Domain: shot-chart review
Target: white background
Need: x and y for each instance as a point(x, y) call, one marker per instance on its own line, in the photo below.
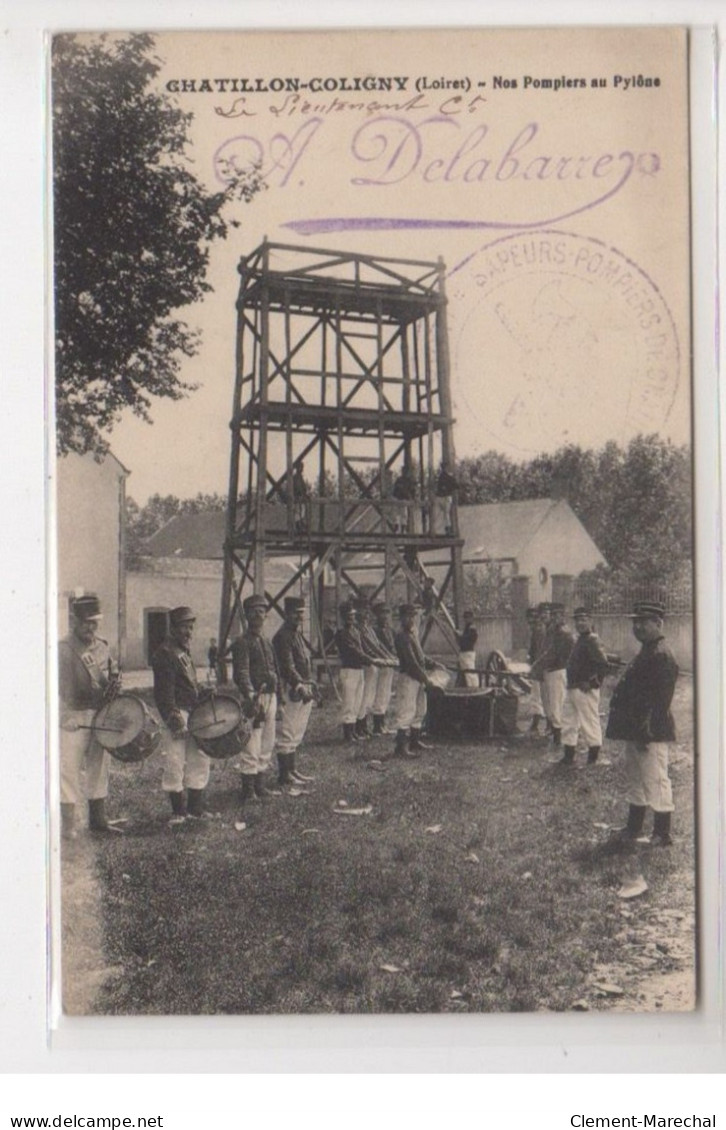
point(462, 1064)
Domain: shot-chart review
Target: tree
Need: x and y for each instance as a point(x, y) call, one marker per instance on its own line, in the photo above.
point(132, 232)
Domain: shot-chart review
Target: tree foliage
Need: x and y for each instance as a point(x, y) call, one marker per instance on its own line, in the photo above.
point(132, 232)
point(634, 501)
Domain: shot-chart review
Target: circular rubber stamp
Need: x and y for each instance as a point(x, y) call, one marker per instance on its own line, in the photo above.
point(569, 341)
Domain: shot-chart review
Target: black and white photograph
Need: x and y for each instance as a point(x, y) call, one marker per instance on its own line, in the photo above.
point(373, 600)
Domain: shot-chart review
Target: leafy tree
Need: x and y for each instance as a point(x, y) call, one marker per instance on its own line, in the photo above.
point(132, 232)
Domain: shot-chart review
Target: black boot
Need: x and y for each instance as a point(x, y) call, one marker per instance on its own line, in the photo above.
point(661, 829)
point(349, 734)
point(361, 730)
point(592, 754)
point(378, 723)
point(401, 748)
point(634, 827)
point(248, 788)
point(261, 790)
point(568, 755)
point(97, 821)
point(534, 724)
point(416, 742)
point(283, 769)
point(296, 777)
point(556, 737)
point(195, 804)
point(178, 802)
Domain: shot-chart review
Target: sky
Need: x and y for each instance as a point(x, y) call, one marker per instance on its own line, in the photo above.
point(549, 179)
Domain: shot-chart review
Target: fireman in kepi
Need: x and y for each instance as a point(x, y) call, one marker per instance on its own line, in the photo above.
point(255, 671)
point(640, 715)
point(176, 692)
point(299, 689)
point(88, 677)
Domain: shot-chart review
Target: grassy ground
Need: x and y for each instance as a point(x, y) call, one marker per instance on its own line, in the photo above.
point(478, 882)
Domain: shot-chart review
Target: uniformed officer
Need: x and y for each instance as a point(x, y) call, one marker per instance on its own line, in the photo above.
point(88, 677)
point(176, 692)
point(413, 679)
point(353, 662)
point(298, 686)
point(557, 647)
point(640, 715)
point(586, 670)
point(380, 660)
point(384, 686)
point(255, 671)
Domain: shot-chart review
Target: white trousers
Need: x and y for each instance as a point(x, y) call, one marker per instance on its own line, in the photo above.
point(291, 729)
point(646, 776)
point(185, 765)
point(384, 688)
point(467, 660)
point(581, 715)
point(535, 698)
point(410, 703)
point(351, 685)
point(256, 757)
point(556, 686)
point(82, 762)
point(370, 685)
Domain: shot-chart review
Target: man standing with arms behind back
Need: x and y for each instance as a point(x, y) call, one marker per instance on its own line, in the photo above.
point(640, 715)
point(186, 767)
point(586, 669)
point(255, 672)
point(296, 676)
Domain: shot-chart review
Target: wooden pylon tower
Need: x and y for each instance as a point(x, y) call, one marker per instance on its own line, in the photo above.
point(341, 392)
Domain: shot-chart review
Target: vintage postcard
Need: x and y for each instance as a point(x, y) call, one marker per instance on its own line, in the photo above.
point(374, 522)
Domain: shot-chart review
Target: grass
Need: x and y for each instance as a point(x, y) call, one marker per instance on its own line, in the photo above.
point(509, 907)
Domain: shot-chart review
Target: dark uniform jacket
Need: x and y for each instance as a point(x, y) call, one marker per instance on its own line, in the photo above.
point(371, 643)
point(640, 706)
point(386, 638)
point(467, 639)
point(293, 657)
point(82, 673)
point(350, 648)
point(411, 658)
point(175, 682)
point(254, 666)
point(588, 664)
point(557, 647)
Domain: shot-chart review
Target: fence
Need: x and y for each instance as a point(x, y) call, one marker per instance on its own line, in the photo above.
point(606, 597)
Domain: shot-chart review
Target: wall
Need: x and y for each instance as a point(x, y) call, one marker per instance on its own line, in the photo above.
point(616, 633)
point(89, 505)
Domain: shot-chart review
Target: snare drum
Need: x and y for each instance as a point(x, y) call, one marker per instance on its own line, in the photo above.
point(126, 728)
point(219, 726)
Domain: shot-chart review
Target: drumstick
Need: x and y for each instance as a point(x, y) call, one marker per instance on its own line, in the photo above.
point(113, 729)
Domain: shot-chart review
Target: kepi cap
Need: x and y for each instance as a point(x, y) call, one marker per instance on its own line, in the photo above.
point(648, 610)
point(407, 609)
point(254, 601)
point(294, 604)
point(181, 615)
point(581, 610)
point(86, 608)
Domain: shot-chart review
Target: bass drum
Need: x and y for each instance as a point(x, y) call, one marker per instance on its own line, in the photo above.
point(219, 727)
point(127, 729)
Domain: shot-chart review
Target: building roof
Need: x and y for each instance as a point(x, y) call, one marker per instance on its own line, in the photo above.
point(199, 536)
point(499, 531)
